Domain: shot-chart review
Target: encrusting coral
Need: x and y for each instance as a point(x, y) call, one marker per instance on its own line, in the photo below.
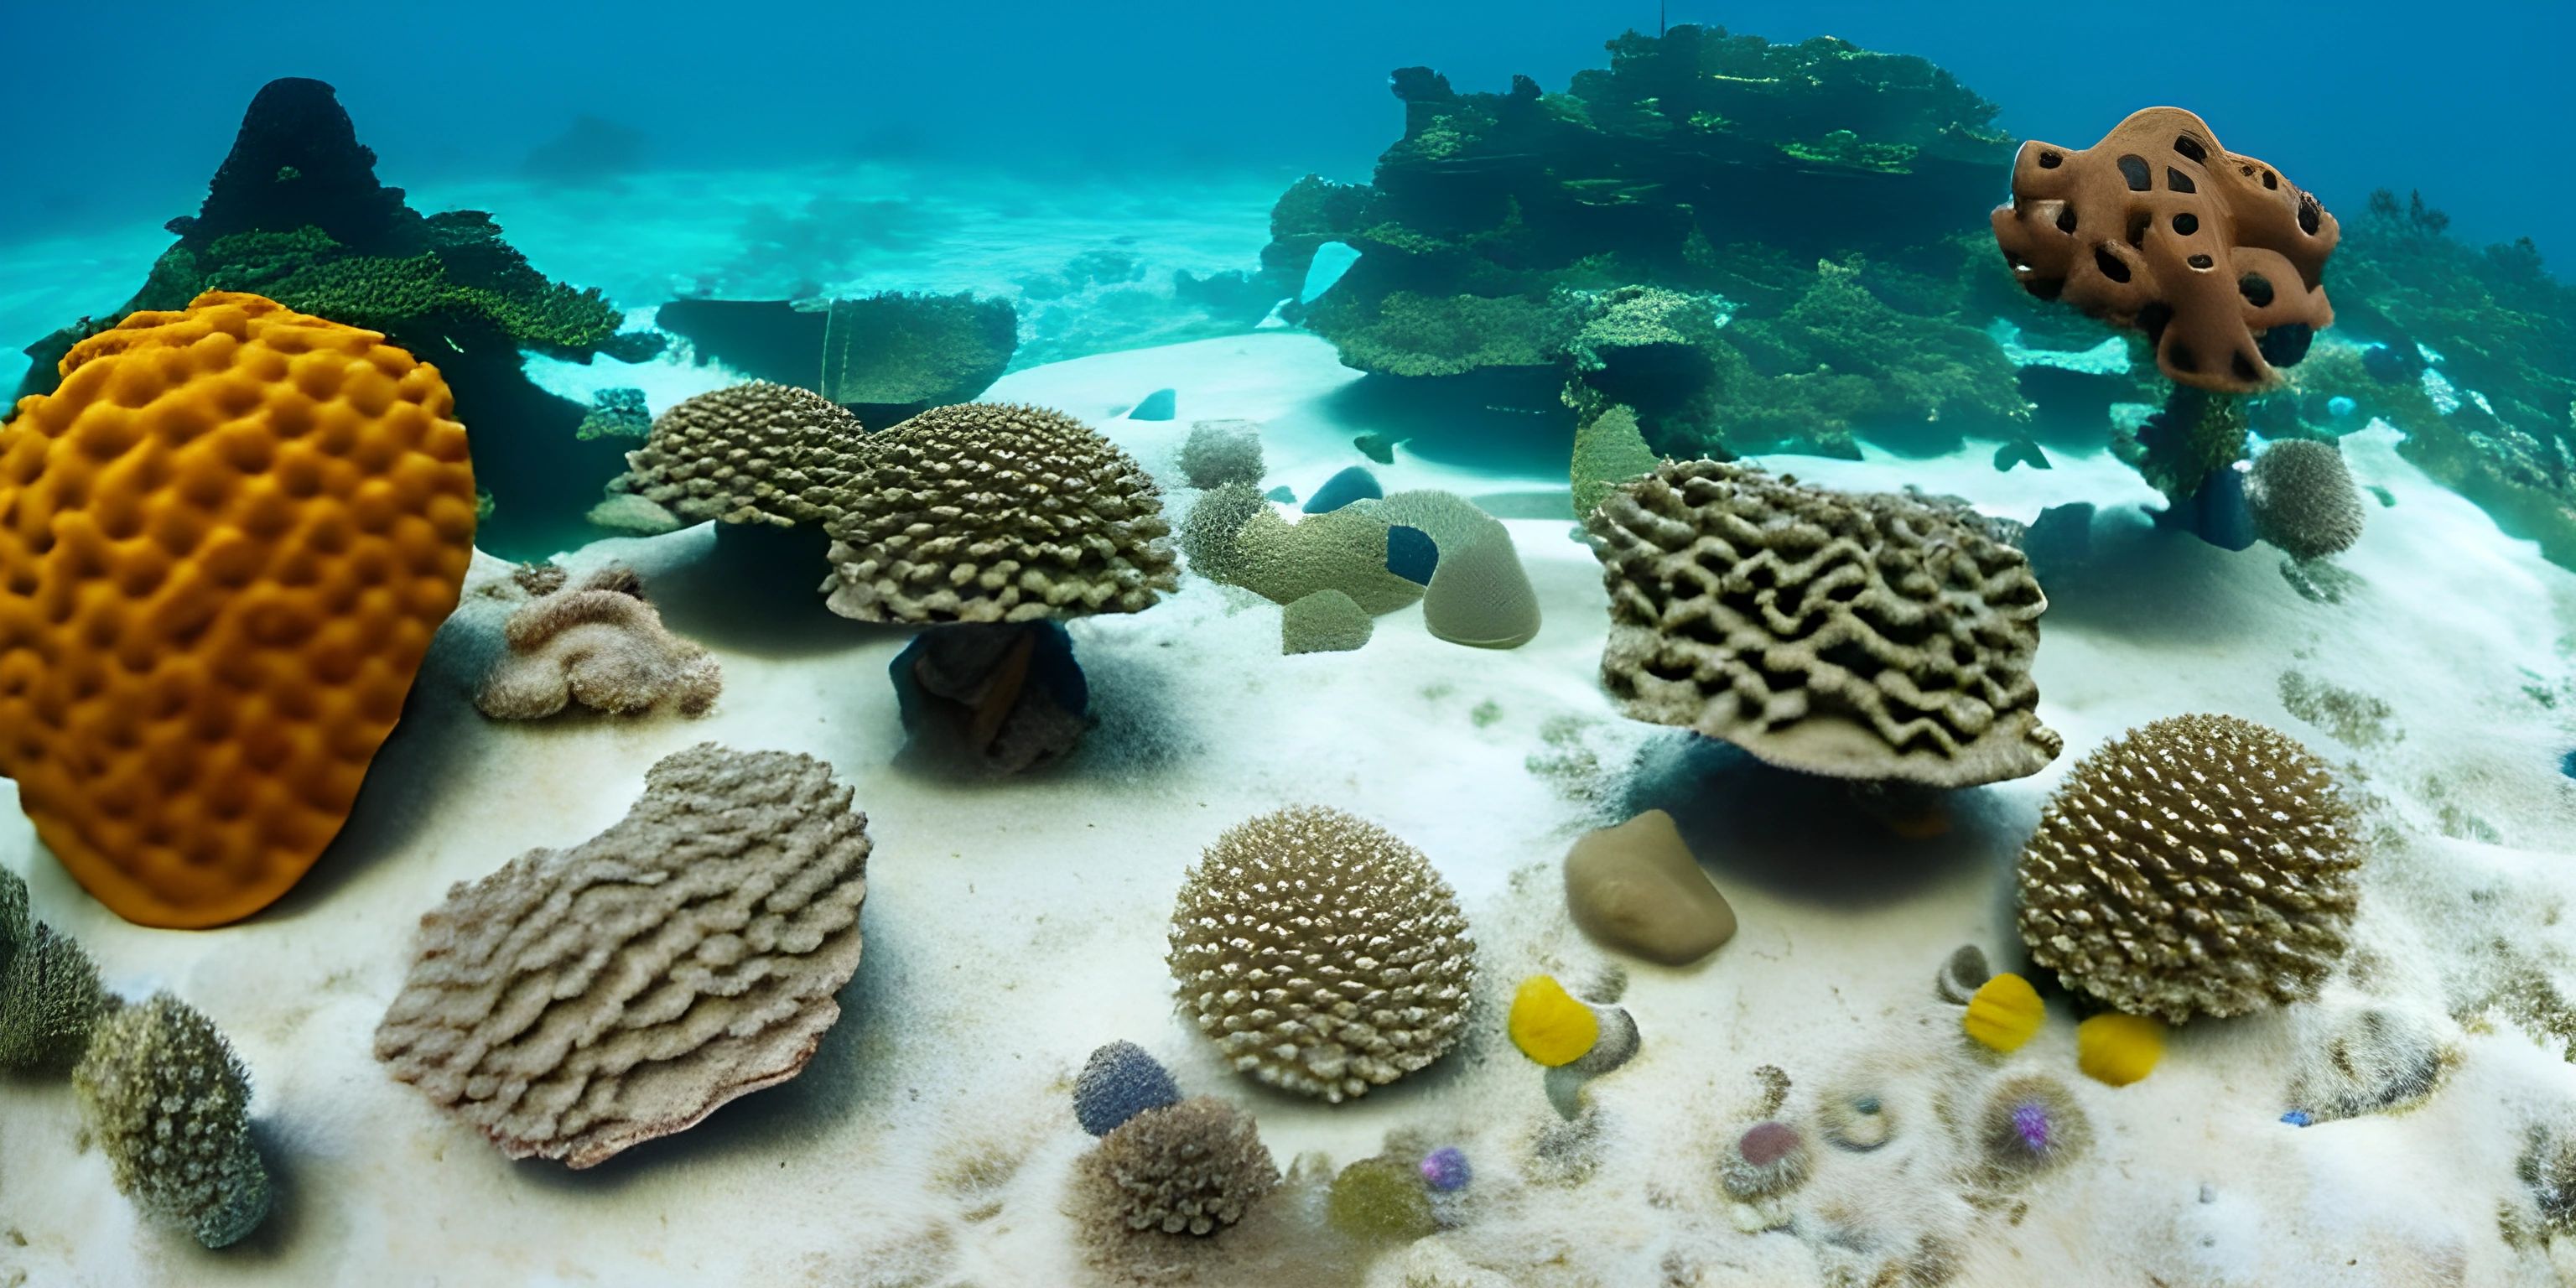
point(2200, 865)
point(190, 715)
point(992, 512)
point(578, 1002)
point(168, 1102)
point(2215, 256)
point(1321, 954)
point(750, 453)
point(596, 642)
point(2304, 500)
point(1191, 1168)
point(1856, 636)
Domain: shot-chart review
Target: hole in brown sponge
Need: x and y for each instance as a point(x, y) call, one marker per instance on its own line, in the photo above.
point(2244, 368)
point(2046, 288)
point(2152, 319)
point(2138, 223)
point(2186, 223)
point(2112, 266)
point(2256, 288)
point(2190, 147)
point(2133, 168)
point(2201, 261)
point(2271, 180)
point(2050, 159)
point(2178, 181)
point(2309, 214)
point(2066, 219)
point(2181, 358)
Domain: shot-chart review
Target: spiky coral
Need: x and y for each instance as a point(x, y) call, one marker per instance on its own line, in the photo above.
point(169, 1104)
point(2200, 865)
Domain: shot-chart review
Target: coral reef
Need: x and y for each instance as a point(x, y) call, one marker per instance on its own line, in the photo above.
point(1117, 1083)
point(2215, 256)
point(1321, 954)
point(751, 453)
point(1327, 621)
point(2118, 1049)
point(1478, 595)
point(2003, 1013)
point(168, 1102)
point(1549, 1025)
point(579, 1002)
point(888, 356)
point(1635, 888)
point(1857, 636)
point(596, 642)
point(1003, 697)
point(1219, 452)
point(2030, 1124)
point(2304, 500)
point(991, 512)
point(2200, 865)
point(314, 513)
point(618, 413)
point(1192, 1168)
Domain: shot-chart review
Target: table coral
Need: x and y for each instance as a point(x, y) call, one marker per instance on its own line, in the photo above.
point(579, 1002)
point(229, 536)
point(1858, 636)
point(596, 642)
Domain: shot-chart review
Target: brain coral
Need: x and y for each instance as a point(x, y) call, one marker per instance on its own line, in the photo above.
point(2159, 228)
point(2304, 500)
point(581, 1001)
point(1858, 636)
point(1321, 954)
point(225, 542)
point(598, 643)
point(992, 512)
point(753, 453)
point(169, 1104)
point(2201, 865)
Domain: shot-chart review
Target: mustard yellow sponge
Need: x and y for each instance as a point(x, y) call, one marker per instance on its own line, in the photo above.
point(225, 542)
point(1549, 1025)
point(2004, 1013)
point(2119, 1049)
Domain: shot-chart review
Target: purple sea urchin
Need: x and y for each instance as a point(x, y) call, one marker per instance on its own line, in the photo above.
point(1445, 1169)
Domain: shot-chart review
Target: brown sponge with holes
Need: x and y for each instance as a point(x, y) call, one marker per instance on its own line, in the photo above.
point(2214, 255)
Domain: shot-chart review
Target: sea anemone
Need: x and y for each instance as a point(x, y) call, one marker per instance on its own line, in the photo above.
point(2032, 1124)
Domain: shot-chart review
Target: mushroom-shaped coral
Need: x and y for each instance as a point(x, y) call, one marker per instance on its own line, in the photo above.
point(2304, 500)
point(169, 1104)
point(596, 642)
point(1856, 636)
point(2214, 255)
point(2030, 1125)
point(1191, 1168)
point(1321, 954)
point(2201, 865)
point(577, 1002)
point(1117, 1083)
point(229, 536)
point(751, 453)
point(992, 512)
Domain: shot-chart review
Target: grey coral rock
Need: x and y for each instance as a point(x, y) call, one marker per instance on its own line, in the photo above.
point(596, 642)
point(2200, 865)
point(993, 512)
point(753, 453)
point(169, 1104)
point(1219, 452)
point(2303, 499)
point(1856, 636)
point(579, 1002)
point(1321, 954)
point(1192, 1168)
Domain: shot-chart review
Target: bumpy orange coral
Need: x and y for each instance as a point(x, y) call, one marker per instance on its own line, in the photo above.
point(225, 542)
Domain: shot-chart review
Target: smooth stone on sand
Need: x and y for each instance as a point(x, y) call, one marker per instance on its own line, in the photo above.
point(1635, 888)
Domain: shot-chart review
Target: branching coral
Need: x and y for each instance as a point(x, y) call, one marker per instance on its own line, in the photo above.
point(1321, 954)
point(2200, 865)
point(169, 1104)
point(596, 642)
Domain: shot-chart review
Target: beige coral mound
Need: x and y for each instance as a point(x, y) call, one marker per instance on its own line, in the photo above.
point(578, 1002)
point(598, 643)
point(2201, 865)
point(1857, 636)
point(752, 453)
point(1190, 1168)
point(991, 512)
point(1321, 954)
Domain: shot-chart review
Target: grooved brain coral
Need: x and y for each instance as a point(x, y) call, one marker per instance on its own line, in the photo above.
point(992, 512)
point(1321, 954)
point(2157, 227)
point(578, 1002)
point(2201, 865)
point(752, 453)
point(1857, 636)
point(225, 542)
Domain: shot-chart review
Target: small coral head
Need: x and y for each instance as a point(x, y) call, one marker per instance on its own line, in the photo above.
point(1445, 1169)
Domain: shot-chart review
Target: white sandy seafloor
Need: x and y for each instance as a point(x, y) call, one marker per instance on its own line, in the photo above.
point(1012, 926)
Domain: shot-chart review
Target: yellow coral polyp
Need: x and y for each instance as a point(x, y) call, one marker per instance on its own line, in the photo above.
point(2119, 1049)
point(2004, 1013)
point(1549, 1025)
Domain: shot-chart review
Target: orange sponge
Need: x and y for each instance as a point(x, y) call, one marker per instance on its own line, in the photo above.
point(225, 542)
